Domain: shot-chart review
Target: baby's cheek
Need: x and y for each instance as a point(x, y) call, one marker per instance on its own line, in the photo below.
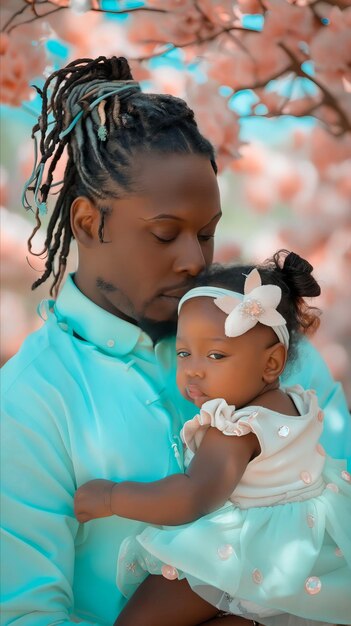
point(180, 378)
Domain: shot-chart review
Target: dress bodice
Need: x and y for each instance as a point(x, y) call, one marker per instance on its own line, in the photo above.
point(291, 461)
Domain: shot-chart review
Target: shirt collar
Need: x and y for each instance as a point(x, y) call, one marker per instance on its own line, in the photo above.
point(109, 333)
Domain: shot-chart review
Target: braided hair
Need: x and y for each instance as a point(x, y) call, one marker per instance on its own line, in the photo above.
point(98, 114)
point(292, 274)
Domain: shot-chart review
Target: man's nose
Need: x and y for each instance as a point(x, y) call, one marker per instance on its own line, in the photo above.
point(190, 259)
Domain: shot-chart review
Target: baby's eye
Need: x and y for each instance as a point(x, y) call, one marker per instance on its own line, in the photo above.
point(216, 356)
point(182, 354)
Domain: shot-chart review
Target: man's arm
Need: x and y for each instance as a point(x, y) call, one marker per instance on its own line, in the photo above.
point(311, 372)
point(38, 527)
point(210, 479)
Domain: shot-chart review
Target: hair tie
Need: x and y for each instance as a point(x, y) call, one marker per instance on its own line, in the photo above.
point(102, 132)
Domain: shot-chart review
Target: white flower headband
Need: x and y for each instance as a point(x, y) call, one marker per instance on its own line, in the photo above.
point(257, 304)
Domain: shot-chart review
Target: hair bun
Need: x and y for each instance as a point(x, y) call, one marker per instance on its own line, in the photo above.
point(297, 274)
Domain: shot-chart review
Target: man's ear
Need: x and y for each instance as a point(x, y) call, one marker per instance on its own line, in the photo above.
point(275, 362)
point(85, 220)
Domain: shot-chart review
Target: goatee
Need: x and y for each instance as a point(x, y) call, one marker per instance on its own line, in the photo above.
point(158, 330)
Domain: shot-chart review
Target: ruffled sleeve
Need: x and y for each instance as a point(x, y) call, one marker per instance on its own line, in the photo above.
point(218, 414)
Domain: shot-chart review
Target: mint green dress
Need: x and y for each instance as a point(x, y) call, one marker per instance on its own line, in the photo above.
point(281, 546)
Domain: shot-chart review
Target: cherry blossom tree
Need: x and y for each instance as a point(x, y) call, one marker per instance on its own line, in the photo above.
point(244, 64)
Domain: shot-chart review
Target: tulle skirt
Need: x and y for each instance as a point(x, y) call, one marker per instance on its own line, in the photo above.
point(264, 563)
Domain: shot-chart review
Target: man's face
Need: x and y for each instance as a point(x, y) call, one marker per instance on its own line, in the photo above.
point(158, 239)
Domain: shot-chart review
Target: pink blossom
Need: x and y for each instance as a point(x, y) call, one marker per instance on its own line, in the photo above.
point(4, 191)
point(74, 29)
point(334, 70)
point(300, 106)
point(326, 149)
point(221, 12)
point(15, 231)
point(168, 80)
point(339, 177)
point(270, 99)
point(269, 59)
point(234, 69)
point(148, 31)
point(288, 23)
point(227, 251)
point(289, 185)
point(250, 6)
point(109, 39)
point(61, 3)
point(15, 324)
point(260, 193)
point(251, 159)
point(221, 127)
point(334, 38)
point(171, 5)
point(21, 61)
point(184, 25)
point(299, 138)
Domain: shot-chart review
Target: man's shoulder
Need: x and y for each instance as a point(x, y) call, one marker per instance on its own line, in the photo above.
point(37, 353)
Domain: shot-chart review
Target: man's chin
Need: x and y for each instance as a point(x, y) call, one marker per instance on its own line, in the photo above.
point(158, 330)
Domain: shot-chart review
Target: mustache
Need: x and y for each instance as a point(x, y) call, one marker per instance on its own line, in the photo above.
point(180, 288)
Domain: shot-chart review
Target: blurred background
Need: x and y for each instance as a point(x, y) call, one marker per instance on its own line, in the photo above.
point(270, 84)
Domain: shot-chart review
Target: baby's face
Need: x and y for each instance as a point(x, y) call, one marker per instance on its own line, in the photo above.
point(211, 365)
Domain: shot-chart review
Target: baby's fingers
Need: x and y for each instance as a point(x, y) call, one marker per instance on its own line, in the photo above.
point(83, 517)
point(80, 507)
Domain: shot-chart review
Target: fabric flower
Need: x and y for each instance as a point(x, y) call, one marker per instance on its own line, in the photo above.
point(259, 304)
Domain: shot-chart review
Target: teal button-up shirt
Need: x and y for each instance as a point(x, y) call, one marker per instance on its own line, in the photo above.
point(88, 396)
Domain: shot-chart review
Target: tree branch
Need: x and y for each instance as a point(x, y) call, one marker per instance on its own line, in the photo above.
point(13, 17)
point(194, 42)
point(294, 63)
point(32, 8)
point(35, 18)
point(329, 99)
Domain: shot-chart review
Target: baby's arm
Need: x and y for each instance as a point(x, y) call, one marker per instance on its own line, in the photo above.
point(208, 482)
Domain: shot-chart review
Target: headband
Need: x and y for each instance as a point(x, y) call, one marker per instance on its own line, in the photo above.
point(258, 303)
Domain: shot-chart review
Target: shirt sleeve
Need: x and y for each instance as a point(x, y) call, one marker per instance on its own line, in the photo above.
point(311, 372)
point(38, 528)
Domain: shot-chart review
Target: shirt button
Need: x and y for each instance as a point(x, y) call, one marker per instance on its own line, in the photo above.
point(306, 477)
point(110, 343)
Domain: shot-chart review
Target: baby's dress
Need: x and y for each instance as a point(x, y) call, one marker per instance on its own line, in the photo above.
point(282, 544)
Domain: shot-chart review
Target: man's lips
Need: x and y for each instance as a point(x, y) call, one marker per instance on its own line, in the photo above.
point(176, 292)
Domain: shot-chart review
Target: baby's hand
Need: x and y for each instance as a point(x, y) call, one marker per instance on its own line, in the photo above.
point(93, 500)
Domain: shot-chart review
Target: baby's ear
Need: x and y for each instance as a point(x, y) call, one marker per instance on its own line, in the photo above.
point(275, 362)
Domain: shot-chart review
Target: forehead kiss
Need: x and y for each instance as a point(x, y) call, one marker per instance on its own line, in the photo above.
point(159, 238)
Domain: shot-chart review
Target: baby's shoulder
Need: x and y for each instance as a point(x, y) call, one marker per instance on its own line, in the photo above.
point(287, 401)
point(278, 401)
point(288, 417)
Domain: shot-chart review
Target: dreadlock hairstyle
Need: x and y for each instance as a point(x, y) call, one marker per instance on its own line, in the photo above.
point(98, 114)
point(288, 271)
